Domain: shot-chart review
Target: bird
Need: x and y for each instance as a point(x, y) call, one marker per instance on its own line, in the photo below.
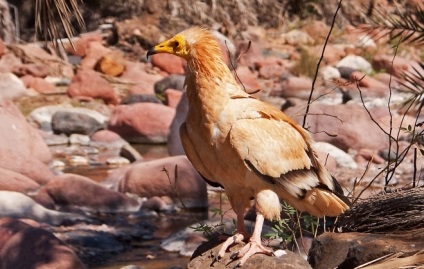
point(247, 146)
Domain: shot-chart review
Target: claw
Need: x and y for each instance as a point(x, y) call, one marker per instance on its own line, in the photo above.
point(234, 255)
point(215, 259)
point(237, 265)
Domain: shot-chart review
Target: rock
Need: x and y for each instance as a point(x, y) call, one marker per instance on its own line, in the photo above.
point(174, 145)
point(143, 82)
point(203, 258)
point(147, 179)
point(89, 83)
point(24, 246)
point(140, 98)
point(42, 116)
point(329, 73)
point(8, 62)
point(171, 64)
point(26, 165)
point(317, 30)
point(18, 205)
point(248, 55)
point(75, 190)
point(270, 71)
point(345, 126)
point(112, 64)
point(297, 38)
point(39, 85)
point(248, 79)
point(343, 159)
point(95, 51)
point(79, 139)
point(172, 97)
point(142, 122)
point(11, 87)
point(370, 87)
point(350, 250)
point(82, 42)
point(12, 181)
point(356, 62)
point(366, 155)
point(19, 136)
point(76, 121)
point(170, 82)
point(396, 66)
point(32, 69)
point(299, 87)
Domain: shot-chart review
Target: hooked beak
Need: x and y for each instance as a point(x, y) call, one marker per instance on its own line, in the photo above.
point(151, 52)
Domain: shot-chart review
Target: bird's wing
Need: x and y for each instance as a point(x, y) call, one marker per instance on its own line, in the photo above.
point(278, 151)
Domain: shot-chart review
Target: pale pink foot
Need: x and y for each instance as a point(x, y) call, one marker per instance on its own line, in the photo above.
point(251, 248)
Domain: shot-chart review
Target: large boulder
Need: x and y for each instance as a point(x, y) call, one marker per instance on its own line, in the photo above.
point(142, 122)
point(79, 191)
point(25, 246)
point(12, 181)
point(148, 179)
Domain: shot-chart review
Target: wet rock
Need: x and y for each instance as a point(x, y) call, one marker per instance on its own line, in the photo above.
point(171, 64)
point(75, 190)
point(140, 98)
point(18, 205)
point(170, 82)
point(77, 121)
point(89, 84)
point(24, 246)
point(142, 122)
point(12, 181)
point(203, 258)
point(148, 179)
point(350, 250)
point(11, 87)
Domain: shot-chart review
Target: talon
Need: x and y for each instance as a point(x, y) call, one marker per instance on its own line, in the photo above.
point(234, 255)
point(215, 259)
point(237, 265)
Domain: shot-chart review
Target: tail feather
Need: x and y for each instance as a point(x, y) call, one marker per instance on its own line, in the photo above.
point(321, 202)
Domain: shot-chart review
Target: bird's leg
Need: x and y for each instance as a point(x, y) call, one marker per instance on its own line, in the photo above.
point(240, 235)
point(255, 245)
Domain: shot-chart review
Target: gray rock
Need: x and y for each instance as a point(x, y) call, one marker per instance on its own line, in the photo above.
point(355, 62)
point(170, 82)
point(74, 122)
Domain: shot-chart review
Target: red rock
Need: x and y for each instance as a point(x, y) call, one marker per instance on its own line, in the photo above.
point(345, 126)
point(171, 64)
point(299, 87)
point(369, 86)
point(3, 48)
point(248, 79)
point(36, 70)
point(82, 42)
point(173, 97)
point(12, 181)
point(249, 56)
point(19, 136)
point(396, 66)
point(89, 83)
point(95, 52)
point(25, 246)
point(142, 122)
point(38, 84)
point(80, 191)
point(106, 136)
point(143, 81)
point(272, 71)
point(147, 179)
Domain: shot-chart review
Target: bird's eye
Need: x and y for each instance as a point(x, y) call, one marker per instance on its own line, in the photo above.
point(176, 44)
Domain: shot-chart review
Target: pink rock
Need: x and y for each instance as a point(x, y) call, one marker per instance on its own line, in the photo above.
point(8, 62)
point(80, 191)
point(36, 70)
point(142, 122)
point(172, 97)
point(396, 66)
point(272, 71)
point(95, 52)
point(106, 136)
point(143, 82)
point(171, 64)
point(366, 155)
point(249, 56)
point(147, 179)
point(345, 126)
point(12, 181)
point(369, 86)
point(19, 136)
point(25, 246)
point(81, 44)
point(299, 87)
point(3, 48)
point(89, 83)
point(38, 84)
point(248, 79)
